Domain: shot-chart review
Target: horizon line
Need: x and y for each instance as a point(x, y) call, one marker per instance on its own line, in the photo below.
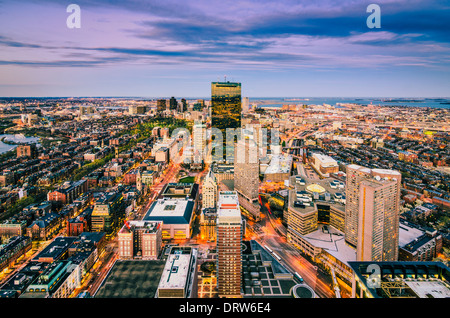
point(254, 97)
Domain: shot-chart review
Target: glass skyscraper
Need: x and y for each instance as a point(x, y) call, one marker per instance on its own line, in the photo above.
point(226, 109)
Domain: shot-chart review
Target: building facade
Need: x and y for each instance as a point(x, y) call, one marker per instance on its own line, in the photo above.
point(372, 212)
point(246, 170)
point(209, 191)
point(140, 240)
point(108, 213)
point(208, 224)
point(179, 277)
point(226, 109)
point(229, 241)
point(199, 142)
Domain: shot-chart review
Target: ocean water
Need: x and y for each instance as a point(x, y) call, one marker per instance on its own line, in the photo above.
point(333, 101)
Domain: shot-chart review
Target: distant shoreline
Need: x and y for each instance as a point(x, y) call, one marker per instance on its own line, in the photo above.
point(11, 145)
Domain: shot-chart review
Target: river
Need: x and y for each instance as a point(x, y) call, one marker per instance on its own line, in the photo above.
point(17, 138)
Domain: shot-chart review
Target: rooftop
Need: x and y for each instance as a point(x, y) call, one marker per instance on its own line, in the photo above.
point(429, 289)
point(150, 227)
point(263, 275)
point(325, 160)
point(307, 192)
point(418, 279)
point(177, 268)
point(315, 188)
point(56, 248)
point(279, 164)
point(180, 190)
point(170, 211)
point(408, 234)
point(228, 204)
point(131, 279)
point(332, 241)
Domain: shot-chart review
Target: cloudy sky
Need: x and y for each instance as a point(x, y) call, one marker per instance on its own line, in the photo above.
point(178, 47)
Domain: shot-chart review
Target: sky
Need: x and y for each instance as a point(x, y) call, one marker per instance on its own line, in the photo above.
point(177, 48)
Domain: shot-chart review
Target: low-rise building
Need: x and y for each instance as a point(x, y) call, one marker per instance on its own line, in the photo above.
point(418, 244)
point(10, 229)
point(140, 240)
point(324, 165)
point(400, 280)
point(179, 277)
point(176, 216)
point(56, 250)
point(279, 168)
point(45, 227)
point(81, 223)
point(68, 192)
point(208, 224)
point(13, 249)
point(108, 213)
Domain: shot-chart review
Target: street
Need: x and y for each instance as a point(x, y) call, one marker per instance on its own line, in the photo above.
point(291, 257)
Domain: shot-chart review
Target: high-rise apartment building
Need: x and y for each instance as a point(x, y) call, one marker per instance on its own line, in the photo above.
point(245, 104)
point(246, 169)
point(377, 238)
point(136, 109)
point(183, 106)
point(229, 240)
point(226, 111)
point(372, 212)
point(259, 135)
point(199, 136)
point(161, 105)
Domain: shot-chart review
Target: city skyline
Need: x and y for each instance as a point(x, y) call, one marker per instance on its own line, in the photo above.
point(256, 150)
point(147, 48)
point(107, 199)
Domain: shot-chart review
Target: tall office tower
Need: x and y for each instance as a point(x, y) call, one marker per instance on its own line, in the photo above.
point(246, 169)
point(173, 104)
point(183, 105)
point(199, 136)
point(226, 111)
point(259, 135)
point(372, 212)
point(245, 105)
point(209, 191)
point(132, 109)
point(161, 105)
point(229, 240)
